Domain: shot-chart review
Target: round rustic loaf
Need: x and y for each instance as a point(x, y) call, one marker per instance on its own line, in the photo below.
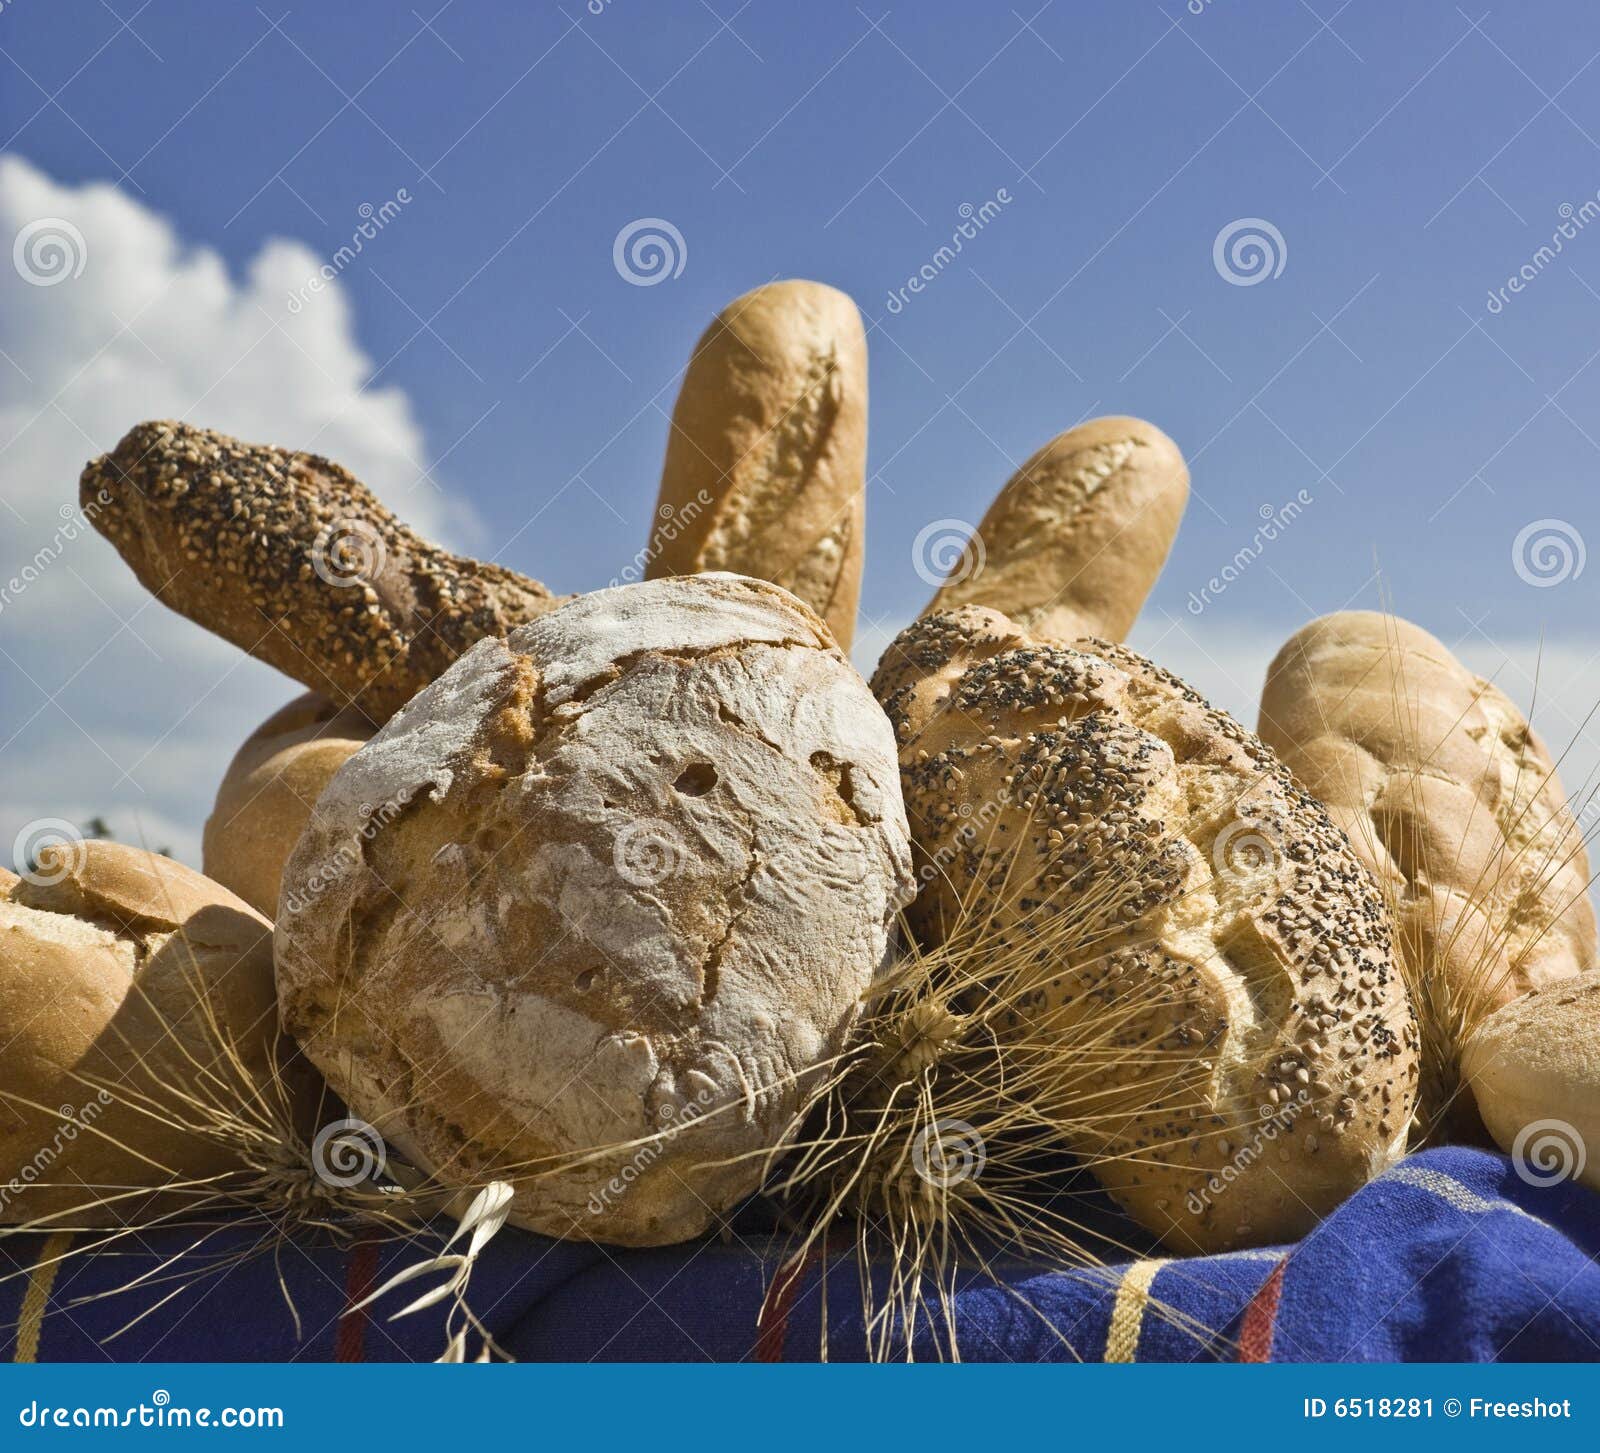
point(130, 986)
point(766, 464)
point(1534, 1068)
point(1228, 940)
point(1452, 800)
point(1074, 542)
point(266, 796)
point(588, 911)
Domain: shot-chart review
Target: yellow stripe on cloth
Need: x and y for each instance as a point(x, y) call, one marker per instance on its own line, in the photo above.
point(1127, 1312)
point(36, 1300)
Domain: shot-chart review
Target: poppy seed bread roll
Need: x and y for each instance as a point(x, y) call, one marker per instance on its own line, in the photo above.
point(766, 464)
point(1074, 542)
point(591, 910)
point(291, 558)
point(1452, 800)
point(1231, 944)
point(266, 796)
point(131, 988)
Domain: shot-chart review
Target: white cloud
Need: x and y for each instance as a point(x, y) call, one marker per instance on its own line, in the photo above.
point(110, 704)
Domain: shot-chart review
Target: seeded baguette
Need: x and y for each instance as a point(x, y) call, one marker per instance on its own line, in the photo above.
point(1074, 542)
point(766, 462)
point(1260, 1049)
point(292, 559)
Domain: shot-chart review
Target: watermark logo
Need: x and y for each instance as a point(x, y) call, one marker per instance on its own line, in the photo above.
point(1274, 521)
point(645, 855)
point(1547, 1152)
point(947, 552)
point(1573, 221)
point(1244, 849)
point(1548, 552)
point(973, 221)
point(373, 221)
point(1249, 250)
point(649, 250)
point(948, 1152)
point(348, 552)
point(348, 1152)
point(48, 850)
point(49, 251)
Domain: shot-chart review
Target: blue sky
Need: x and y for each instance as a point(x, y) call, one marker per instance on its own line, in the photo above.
point(1411, 159)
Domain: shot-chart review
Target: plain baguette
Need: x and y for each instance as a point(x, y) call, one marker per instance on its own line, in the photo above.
point(766, 461)
point(1074, 542)
point(292, 559)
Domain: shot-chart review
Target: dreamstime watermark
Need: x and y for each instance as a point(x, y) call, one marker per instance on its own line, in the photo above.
point(1573, 221)
point(73, 1119)
point(1248, 850)
point(1276, 1119)
point(1548, 552)
point(1274, 521)
point(649, 250)
point(973, 221)
point(946, 552)
point(347, 856)
point(677, 1121)
point(673, 522)
point(157, 1413)
point(348, 552)
point(948, 1152)
point(348, 1153)
point(1249, 250)
point(1547, 1152)
point(74, 523)
point(646, 855)
point(48, 251)
point(373, 221)
point(48, 851)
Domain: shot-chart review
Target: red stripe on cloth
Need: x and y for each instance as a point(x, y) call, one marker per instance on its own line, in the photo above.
point(360, 1277)
point(1260, 1318)
point(778, 1303)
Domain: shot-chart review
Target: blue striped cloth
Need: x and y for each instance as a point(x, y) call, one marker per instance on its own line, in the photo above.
point(1449, 1256)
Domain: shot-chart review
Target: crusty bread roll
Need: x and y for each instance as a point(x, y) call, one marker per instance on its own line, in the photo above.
point(1074, 542)
point(1534, 1067)
point(1451, 799)
point(127, 982)
point(1270, 1051)
point(766, 463)
point(267, 794)
point(623, 875)
point(292, 559)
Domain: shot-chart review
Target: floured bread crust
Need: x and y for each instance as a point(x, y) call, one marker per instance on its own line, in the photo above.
point(766, 464)
point(1231, 941)
point(623, 875)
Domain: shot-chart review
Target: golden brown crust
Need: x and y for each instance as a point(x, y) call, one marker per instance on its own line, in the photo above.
point(292, 559)
point(1222, 914)
point(1074, 542)
point(266, 796)
point(766, 461)
point(1534, 1068)
point(1446, 793)
point(121, 975)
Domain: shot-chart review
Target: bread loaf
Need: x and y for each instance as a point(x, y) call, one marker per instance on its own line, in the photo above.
point(1228, 935)
point(131, 988)
point(1534, 1068)
point(1074, 542)
point(267, 794)
point(1451, 799)
point(293, 560)
point(766, 462)
point(588, 912)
